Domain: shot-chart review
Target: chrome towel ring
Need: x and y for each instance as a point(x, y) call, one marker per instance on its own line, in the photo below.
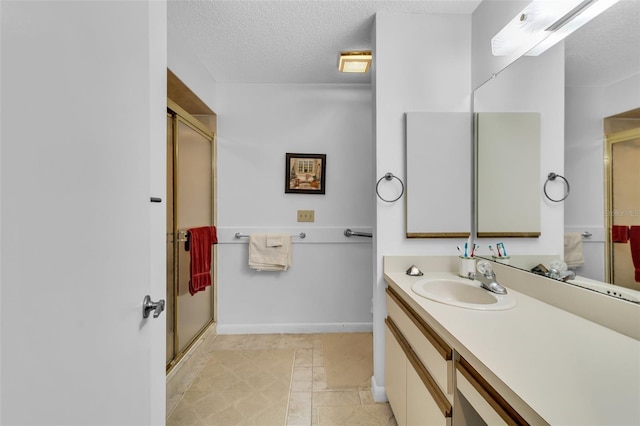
point(551, 177)
point(388, 176)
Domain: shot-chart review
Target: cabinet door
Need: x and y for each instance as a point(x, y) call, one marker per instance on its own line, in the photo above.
point(477, 401)
point(421, 407)
point(395, 368)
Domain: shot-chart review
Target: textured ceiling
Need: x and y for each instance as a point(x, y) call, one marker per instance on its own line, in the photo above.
point(270, 41)
point(298, 41)
point(607, 49)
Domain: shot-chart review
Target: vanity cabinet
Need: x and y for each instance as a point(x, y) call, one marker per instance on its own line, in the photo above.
point(428, 383)
point(478, 402)
point(416, 372)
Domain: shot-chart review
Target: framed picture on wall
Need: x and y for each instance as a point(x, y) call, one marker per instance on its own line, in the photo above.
point(305, 173)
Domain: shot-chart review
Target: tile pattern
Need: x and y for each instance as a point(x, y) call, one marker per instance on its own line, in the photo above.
point(271, 380)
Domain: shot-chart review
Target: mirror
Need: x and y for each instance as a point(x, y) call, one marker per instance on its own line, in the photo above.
point(601, 78)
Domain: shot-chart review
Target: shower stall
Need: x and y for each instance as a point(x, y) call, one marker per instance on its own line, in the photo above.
point(190, 204)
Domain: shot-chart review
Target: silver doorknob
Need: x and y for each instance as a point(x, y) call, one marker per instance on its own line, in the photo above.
point(148, 306)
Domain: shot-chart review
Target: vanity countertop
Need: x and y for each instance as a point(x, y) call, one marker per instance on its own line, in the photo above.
point(567, 369)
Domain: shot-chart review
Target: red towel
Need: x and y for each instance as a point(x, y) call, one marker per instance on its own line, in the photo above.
point(634, 242)
point(619, 233)
point(200, 240)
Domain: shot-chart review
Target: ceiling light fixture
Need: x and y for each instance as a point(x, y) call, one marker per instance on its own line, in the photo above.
point(544, 23)
point(355, 61)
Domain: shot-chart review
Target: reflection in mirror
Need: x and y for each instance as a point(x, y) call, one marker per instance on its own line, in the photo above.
point(601, 84)
point(602, 98)
point(544, 264)
point(508, 148)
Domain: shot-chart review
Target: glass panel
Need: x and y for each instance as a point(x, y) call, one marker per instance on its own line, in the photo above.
point(625, 166)
point(194, 195)
point(170, 243)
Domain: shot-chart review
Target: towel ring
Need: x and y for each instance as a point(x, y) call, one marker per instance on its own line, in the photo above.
point(551, 177)
point(388, 176)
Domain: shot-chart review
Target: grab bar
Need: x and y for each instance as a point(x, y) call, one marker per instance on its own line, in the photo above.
point(350, 233)
point(239, 235)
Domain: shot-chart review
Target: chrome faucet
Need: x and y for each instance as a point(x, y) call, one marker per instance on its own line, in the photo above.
point(488, 278)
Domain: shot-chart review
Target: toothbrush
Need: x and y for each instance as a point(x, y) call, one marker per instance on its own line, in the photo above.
point(492, 250)
point(498, 248)
point(473, 251)
point(466, 247)
point(504, 252)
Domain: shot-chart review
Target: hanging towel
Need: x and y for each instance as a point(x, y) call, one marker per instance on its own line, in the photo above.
point(573, 255)
point(264, 255)
point(276, 240)
point(634, 242)
point(200, 240)
point(619, 233)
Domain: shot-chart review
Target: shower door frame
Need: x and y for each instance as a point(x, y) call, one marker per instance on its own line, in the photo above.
point(180, 115)
point(610, 140)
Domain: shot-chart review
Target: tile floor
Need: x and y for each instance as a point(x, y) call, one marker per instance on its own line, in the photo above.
point(264, 380)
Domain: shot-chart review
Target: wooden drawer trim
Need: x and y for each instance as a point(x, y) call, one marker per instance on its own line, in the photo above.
point(436, 393)
point(495, 400)
point(438, 342)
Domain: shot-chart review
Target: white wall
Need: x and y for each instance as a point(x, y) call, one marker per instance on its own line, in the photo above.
point(328, 287)
point(422, 63)
point(184, 63)
point(586, 107)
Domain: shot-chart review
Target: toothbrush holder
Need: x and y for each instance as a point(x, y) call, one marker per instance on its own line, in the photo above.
point(466, 266)
point(501, 259)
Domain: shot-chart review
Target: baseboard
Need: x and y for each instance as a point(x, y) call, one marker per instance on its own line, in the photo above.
point(304, 328)
point(379, 392)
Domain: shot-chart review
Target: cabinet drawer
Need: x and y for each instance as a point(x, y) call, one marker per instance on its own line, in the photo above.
point(485, 401)
point(431, 349)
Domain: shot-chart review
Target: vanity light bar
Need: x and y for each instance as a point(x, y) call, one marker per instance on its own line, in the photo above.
point(544, 23)
point(568, 26)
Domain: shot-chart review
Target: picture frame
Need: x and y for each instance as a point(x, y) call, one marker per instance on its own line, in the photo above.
point(305, 173)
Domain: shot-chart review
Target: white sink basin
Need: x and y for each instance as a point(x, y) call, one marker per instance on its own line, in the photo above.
point(464, 294)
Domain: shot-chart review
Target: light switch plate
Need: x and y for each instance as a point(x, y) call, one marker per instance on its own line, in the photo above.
point(306, 215)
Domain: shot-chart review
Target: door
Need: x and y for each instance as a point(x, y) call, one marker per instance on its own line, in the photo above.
point(625, 199)
point(194, 208)
point(190, 148)
point(83, 104)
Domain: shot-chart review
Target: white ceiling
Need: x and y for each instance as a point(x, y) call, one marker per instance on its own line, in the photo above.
point(298, 41)
point(267, 41)
point(607, 49)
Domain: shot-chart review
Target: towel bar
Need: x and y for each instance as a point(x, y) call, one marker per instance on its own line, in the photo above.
point(349, 233)
point(239, 235)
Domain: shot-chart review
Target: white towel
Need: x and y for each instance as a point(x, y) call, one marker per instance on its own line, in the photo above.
point(573, 255)
point(276, 240)
point(266, 257)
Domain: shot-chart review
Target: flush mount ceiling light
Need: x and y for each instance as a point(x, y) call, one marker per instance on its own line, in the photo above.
point(543, 23)
point(355, 61)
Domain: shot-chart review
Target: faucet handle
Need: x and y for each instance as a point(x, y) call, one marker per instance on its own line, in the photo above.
point(484, 267)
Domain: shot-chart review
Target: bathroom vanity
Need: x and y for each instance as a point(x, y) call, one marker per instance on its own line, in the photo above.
point(529, 363)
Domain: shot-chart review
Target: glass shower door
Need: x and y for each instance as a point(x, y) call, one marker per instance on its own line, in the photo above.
point(193, 208)
point(625, 197)
point(170, 306)
point(190, 204)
